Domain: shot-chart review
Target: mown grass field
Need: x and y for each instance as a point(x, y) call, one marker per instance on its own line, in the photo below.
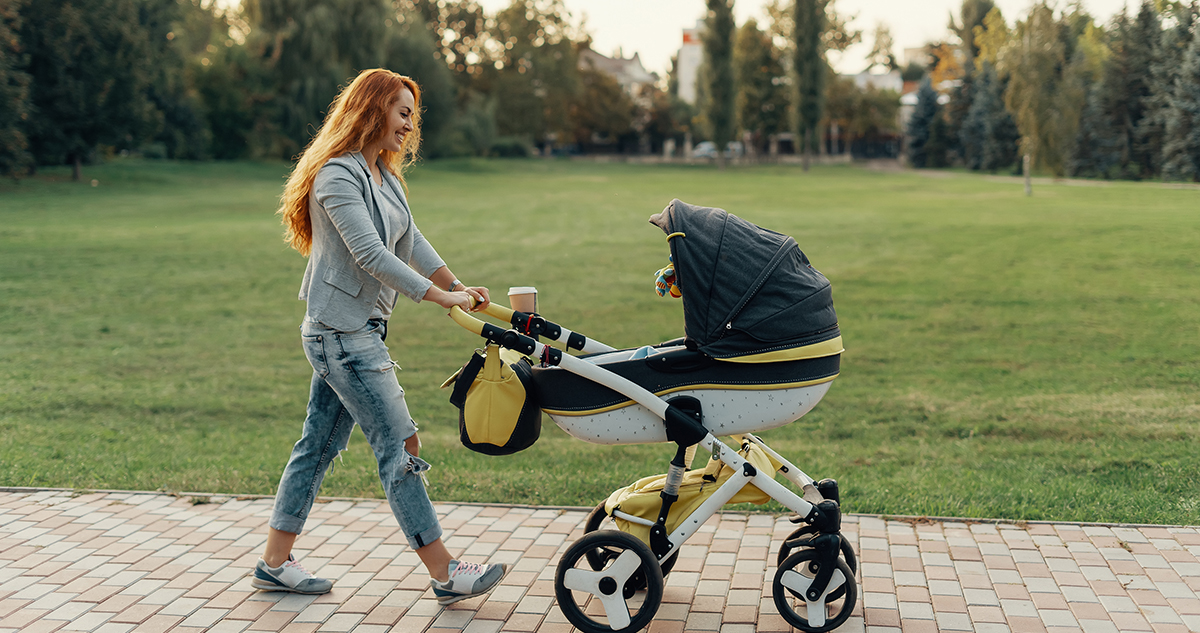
point(1013, 357)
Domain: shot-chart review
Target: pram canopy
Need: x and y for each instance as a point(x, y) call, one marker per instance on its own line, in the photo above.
point(749, 294)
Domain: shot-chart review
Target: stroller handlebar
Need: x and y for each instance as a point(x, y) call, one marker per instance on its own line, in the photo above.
point(529, 324)
point(467, 321)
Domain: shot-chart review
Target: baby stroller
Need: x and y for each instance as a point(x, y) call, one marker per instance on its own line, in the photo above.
point(762, 347)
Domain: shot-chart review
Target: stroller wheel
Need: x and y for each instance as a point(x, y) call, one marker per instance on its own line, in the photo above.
point(599, 557)
point(795, 576)
point(790, 545)
point(606, 600)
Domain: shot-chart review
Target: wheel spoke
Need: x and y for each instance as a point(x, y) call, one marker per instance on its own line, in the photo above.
point(795, 581)
point(616, 610)
point(583, 580)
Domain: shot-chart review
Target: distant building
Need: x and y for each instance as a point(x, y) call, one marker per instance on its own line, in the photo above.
point(918, 55)
point(630, 73)
point(890, 80)
point(687, 64)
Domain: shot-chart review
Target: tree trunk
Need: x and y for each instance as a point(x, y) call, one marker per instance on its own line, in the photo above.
point(76, 167)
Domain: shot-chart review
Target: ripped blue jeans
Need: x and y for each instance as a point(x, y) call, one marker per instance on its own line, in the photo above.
point(354, 381)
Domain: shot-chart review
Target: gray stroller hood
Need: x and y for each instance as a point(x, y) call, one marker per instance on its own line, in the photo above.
point(746, 290)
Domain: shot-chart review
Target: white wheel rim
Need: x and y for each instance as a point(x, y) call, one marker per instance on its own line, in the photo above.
point(800, 583)
point(587, 581)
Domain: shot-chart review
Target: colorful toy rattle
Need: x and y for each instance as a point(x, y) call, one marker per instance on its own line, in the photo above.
point(665, 281)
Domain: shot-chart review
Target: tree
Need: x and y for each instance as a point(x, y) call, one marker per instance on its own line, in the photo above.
point(602, 111)
point(837, 36)
point(1181, 151)
point(1096, 152)
point(762, 99)
point(311, 48)
point(89, 65)
point(881, 49)
point(972, 15)
point(810, 71)
point(459, 30)
point(1032, 62)
point(411, 51)
point(921, 125)
point(865, 116)
point(532, 71)
point(1169, 58)
point(990, 38)
point(716, 74)
point(1140, 51)
point(957, 65)
point(14, 94)
point(989, 136)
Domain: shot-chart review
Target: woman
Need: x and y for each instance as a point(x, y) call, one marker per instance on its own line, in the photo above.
point(344, 206)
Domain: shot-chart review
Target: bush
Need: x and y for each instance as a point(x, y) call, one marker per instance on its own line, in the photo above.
point(511, 147)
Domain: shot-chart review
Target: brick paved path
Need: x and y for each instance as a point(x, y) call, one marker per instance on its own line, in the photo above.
point(117, 562)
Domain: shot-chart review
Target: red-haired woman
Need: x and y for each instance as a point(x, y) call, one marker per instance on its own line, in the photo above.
point(345, 207)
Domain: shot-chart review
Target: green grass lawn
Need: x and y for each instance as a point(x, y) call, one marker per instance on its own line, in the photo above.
point(1023, 358)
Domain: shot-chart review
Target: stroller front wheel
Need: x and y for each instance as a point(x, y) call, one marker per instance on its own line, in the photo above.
point(794, 578)
point(606, 600)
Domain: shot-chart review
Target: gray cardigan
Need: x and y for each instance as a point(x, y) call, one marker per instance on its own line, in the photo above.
point(350, 263)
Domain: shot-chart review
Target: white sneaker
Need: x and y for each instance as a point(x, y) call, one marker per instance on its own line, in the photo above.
point(289, 576)
point(468, 580)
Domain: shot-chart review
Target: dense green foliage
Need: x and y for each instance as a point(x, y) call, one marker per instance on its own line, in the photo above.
point(921, 126)
point(14, 93)
point(810, 72)
point(1006, 356)
point(718, 93)
point(1087, 99)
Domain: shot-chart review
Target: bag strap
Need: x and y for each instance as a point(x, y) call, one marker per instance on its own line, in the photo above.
point(466, 378)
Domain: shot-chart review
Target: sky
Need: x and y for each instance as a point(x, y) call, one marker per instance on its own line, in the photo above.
point(654, 28)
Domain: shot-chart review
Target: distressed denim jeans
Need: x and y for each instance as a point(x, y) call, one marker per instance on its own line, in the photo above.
point(354, 381)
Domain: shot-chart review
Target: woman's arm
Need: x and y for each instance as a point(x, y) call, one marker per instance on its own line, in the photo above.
point(443, 278)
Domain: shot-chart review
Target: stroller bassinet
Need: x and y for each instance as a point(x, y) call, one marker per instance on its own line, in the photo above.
point(762, 340)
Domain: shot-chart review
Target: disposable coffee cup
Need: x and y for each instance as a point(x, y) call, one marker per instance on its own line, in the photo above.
point(523, 299)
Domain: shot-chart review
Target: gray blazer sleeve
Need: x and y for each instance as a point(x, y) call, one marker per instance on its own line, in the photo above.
point(425, 259)
point(343, 198)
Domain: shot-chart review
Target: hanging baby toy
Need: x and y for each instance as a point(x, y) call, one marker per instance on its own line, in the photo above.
point(665, 281)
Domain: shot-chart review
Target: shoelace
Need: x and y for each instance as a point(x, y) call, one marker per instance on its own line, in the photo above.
point(468, 569)
point(297, 565)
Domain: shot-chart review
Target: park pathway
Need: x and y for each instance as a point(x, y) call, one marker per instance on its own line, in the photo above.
point(129, 561)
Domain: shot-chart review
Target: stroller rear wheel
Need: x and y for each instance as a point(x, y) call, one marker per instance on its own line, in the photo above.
point(597, 558)
point(793, 579)
point(606, 600)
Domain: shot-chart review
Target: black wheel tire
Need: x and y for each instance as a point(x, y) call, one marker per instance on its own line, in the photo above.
point(598, 558)
point(784, 595)
point(648, 574)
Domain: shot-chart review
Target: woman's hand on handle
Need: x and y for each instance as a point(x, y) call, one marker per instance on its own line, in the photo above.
point(481, 296)
point(469, 299)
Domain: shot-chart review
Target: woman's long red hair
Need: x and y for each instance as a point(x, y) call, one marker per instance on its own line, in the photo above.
point(357, 116)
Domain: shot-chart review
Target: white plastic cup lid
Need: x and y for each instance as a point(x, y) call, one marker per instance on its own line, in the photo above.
point(522, 290)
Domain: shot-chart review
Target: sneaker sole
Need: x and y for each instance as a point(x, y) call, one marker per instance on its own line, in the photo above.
point(263, 585)
point(452, 599)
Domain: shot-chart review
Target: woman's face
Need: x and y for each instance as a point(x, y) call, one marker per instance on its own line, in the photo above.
point(399, 120)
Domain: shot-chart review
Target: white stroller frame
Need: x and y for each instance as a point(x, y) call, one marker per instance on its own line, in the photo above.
point(809, 565)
